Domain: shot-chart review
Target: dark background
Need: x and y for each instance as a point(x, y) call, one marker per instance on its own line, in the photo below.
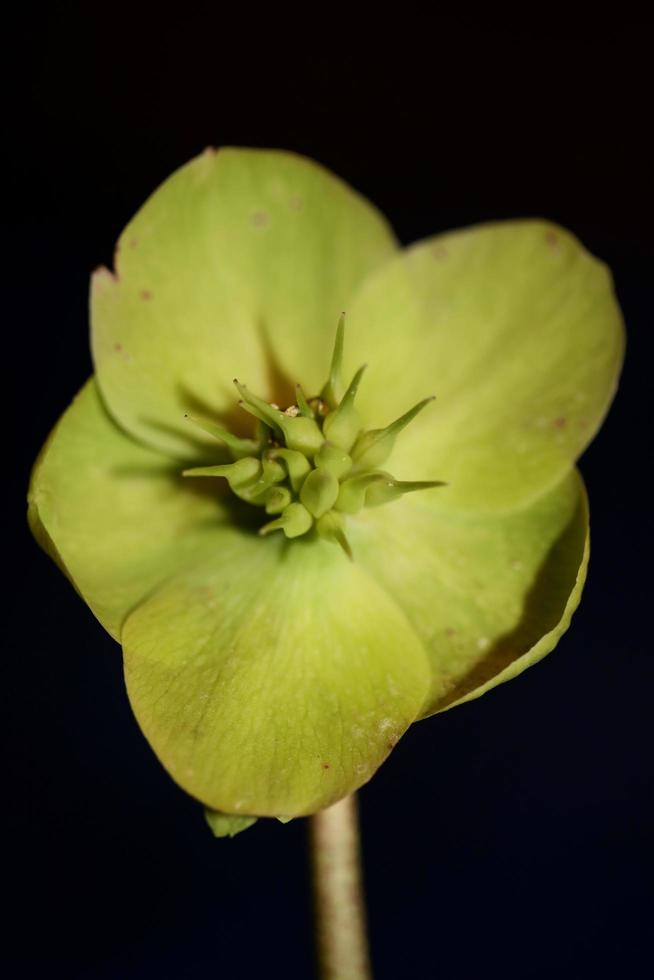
point(509, 838)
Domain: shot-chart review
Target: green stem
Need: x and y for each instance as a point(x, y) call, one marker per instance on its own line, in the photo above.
point(339, 905)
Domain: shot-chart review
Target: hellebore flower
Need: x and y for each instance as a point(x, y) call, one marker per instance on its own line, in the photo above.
point(286, 603)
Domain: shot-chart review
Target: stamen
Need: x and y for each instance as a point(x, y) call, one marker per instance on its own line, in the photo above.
point(343, 425)
point(296, 463)
point(277, 500)
point(320, 407)
point(331, 392)
point(302, 404)
point(302, 434)
point(238, 447)
point(319, 492)
point(259, 408)
point(352, 493)
point(294, 522)
point(251, 410)
point(239, 474)
point(311, 464)
point(330, 526)
point(271, 472)
point(374, 447)
point(333, 459)
point(299, 433)
point(386, 490)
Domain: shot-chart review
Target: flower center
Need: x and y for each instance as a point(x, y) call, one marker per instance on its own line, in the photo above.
point(312, 464)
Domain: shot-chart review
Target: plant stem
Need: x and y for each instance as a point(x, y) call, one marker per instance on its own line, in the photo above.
point(339, 906)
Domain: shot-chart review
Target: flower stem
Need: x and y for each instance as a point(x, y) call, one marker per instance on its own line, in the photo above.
point(339, 906)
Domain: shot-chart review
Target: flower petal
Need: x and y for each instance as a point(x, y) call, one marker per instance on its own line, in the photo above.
point(238, 266)
point(515, 328)
point(488, 596)
point(116, 517)
point(276, 684)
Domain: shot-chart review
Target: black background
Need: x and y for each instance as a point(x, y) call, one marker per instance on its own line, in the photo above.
point(509, 838)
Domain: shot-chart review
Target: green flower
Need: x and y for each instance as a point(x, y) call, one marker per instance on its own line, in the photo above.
point(286, 608)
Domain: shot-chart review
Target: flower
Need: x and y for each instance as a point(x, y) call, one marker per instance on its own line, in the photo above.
point(272, 673)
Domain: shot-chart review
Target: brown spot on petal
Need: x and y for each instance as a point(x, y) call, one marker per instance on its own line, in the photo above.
point(146, 294)
point(450, 631)
point(326, 765)
point(133, 242)
point(560, 422)
point(118, 348)
point(552, 240)
point(439, 251)
point(260, 219)
point(296, 202)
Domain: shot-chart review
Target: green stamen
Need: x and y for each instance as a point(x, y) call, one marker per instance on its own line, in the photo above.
point(319, 492)
point(259, 408)
point(296, 463)
point(238, 447)
point(271, 472)
point(385, 490)
point(343, 425)
point(312, 464)
point(374, 447)
point(333, 459)
point(330, 526)
point(300, 433)
point(277, 500)
point(239, 474)
point(302, 404)
point(331, 393)
point(294, 522)
point(352, 493)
